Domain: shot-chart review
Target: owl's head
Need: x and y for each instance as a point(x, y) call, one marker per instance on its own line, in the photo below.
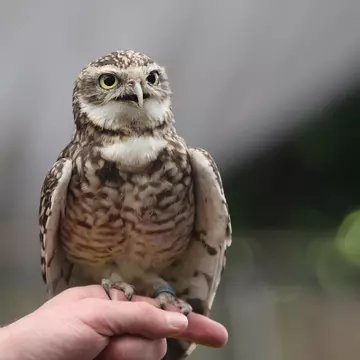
point(122, 87)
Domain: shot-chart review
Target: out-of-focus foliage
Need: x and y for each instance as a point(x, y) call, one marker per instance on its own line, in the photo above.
point(310, 180)
point(300, 200)
point(348, 239)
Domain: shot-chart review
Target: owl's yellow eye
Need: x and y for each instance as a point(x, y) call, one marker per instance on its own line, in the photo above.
point(108, 81)
point(153, 78)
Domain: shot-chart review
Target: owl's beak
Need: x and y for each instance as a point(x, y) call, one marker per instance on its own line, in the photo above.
point(139, 94)
point(136, 95)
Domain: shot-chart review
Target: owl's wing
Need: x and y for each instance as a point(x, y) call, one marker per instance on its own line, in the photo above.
point(212, 225)
point(198, 276)
point(55, 269)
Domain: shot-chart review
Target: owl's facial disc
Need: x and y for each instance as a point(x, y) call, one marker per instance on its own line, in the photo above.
point(123, 87)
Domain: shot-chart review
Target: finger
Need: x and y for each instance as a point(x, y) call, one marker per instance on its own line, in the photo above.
point(111, 318)
point(201, 329)
point(204, 331)
point(119, 295)
point(134, 348)
point(77, 293)
point(91, 291)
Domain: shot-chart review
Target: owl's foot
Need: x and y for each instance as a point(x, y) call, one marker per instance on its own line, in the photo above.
point(166, 295)
point(127, 289)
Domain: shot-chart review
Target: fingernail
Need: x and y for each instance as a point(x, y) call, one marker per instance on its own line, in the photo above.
point(176, 320)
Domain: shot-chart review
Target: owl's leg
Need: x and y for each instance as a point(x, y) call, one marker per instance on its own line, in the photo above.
point(165, 294)
point(116, 282)
point(165, 297)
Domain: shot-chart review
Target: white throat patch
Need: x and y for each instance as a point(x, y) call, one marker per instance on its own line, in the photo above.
point(136, 151)
point(113, 114)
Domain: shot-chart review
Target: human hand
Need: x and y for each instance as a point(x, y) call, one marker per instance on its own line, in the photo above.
point(82, 323)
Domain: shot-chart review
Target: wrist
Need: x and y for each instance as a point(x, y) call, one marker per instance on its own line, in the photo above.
point(13, 341)
point(7, 346)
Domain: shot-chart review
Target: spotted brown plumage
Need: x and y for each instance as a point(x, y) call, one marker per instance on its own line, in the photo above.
point(127, 203)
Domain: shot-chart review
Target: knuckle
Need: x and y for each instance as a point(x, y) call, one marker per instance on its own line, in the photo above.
point(117, 295)
point(71, 291)
point(144, 307)
point(148, 313)
point(84, 304)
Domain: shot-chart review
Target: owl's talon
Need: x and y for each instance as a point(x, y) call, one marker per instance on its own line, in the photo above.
point(129, 293)
point(106, 284)
point(127, 289)
point(167, 296)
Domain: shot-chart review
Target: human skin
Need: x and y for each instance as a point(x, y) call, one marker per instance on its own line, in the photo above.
point(83, 324)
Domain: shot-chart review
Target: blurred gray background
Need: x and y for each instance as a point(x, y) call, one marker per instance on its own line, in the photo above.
point(272, 90)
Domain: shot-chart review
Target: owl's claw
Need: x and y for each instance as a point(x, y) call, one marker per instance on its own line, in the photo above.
point(106, 284)
point(127, 289)
point(166, 295)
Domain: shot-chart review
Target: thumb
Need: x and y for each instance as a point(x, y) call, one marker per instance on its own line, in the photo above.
point(111, 318)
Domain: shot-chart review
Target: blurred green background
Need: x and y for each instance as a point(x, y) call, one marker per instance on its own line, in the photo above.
point(273, 92)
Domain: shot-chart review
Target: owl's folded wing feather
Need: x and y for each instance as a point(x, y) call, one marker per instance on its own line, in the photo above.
point(55, 268)
point(212, 222)
point(199, 273)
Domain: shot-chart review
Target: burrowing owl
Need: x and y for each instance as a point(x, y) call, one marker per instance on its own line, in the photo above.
point(128, 204)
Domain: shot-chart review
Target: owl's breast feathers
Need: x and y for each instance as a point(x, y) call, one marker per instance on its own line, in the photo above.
point(144, 215)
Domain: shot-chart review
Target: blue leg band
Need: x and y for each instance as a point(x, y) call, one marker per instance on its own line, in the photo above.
point(165, 288)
